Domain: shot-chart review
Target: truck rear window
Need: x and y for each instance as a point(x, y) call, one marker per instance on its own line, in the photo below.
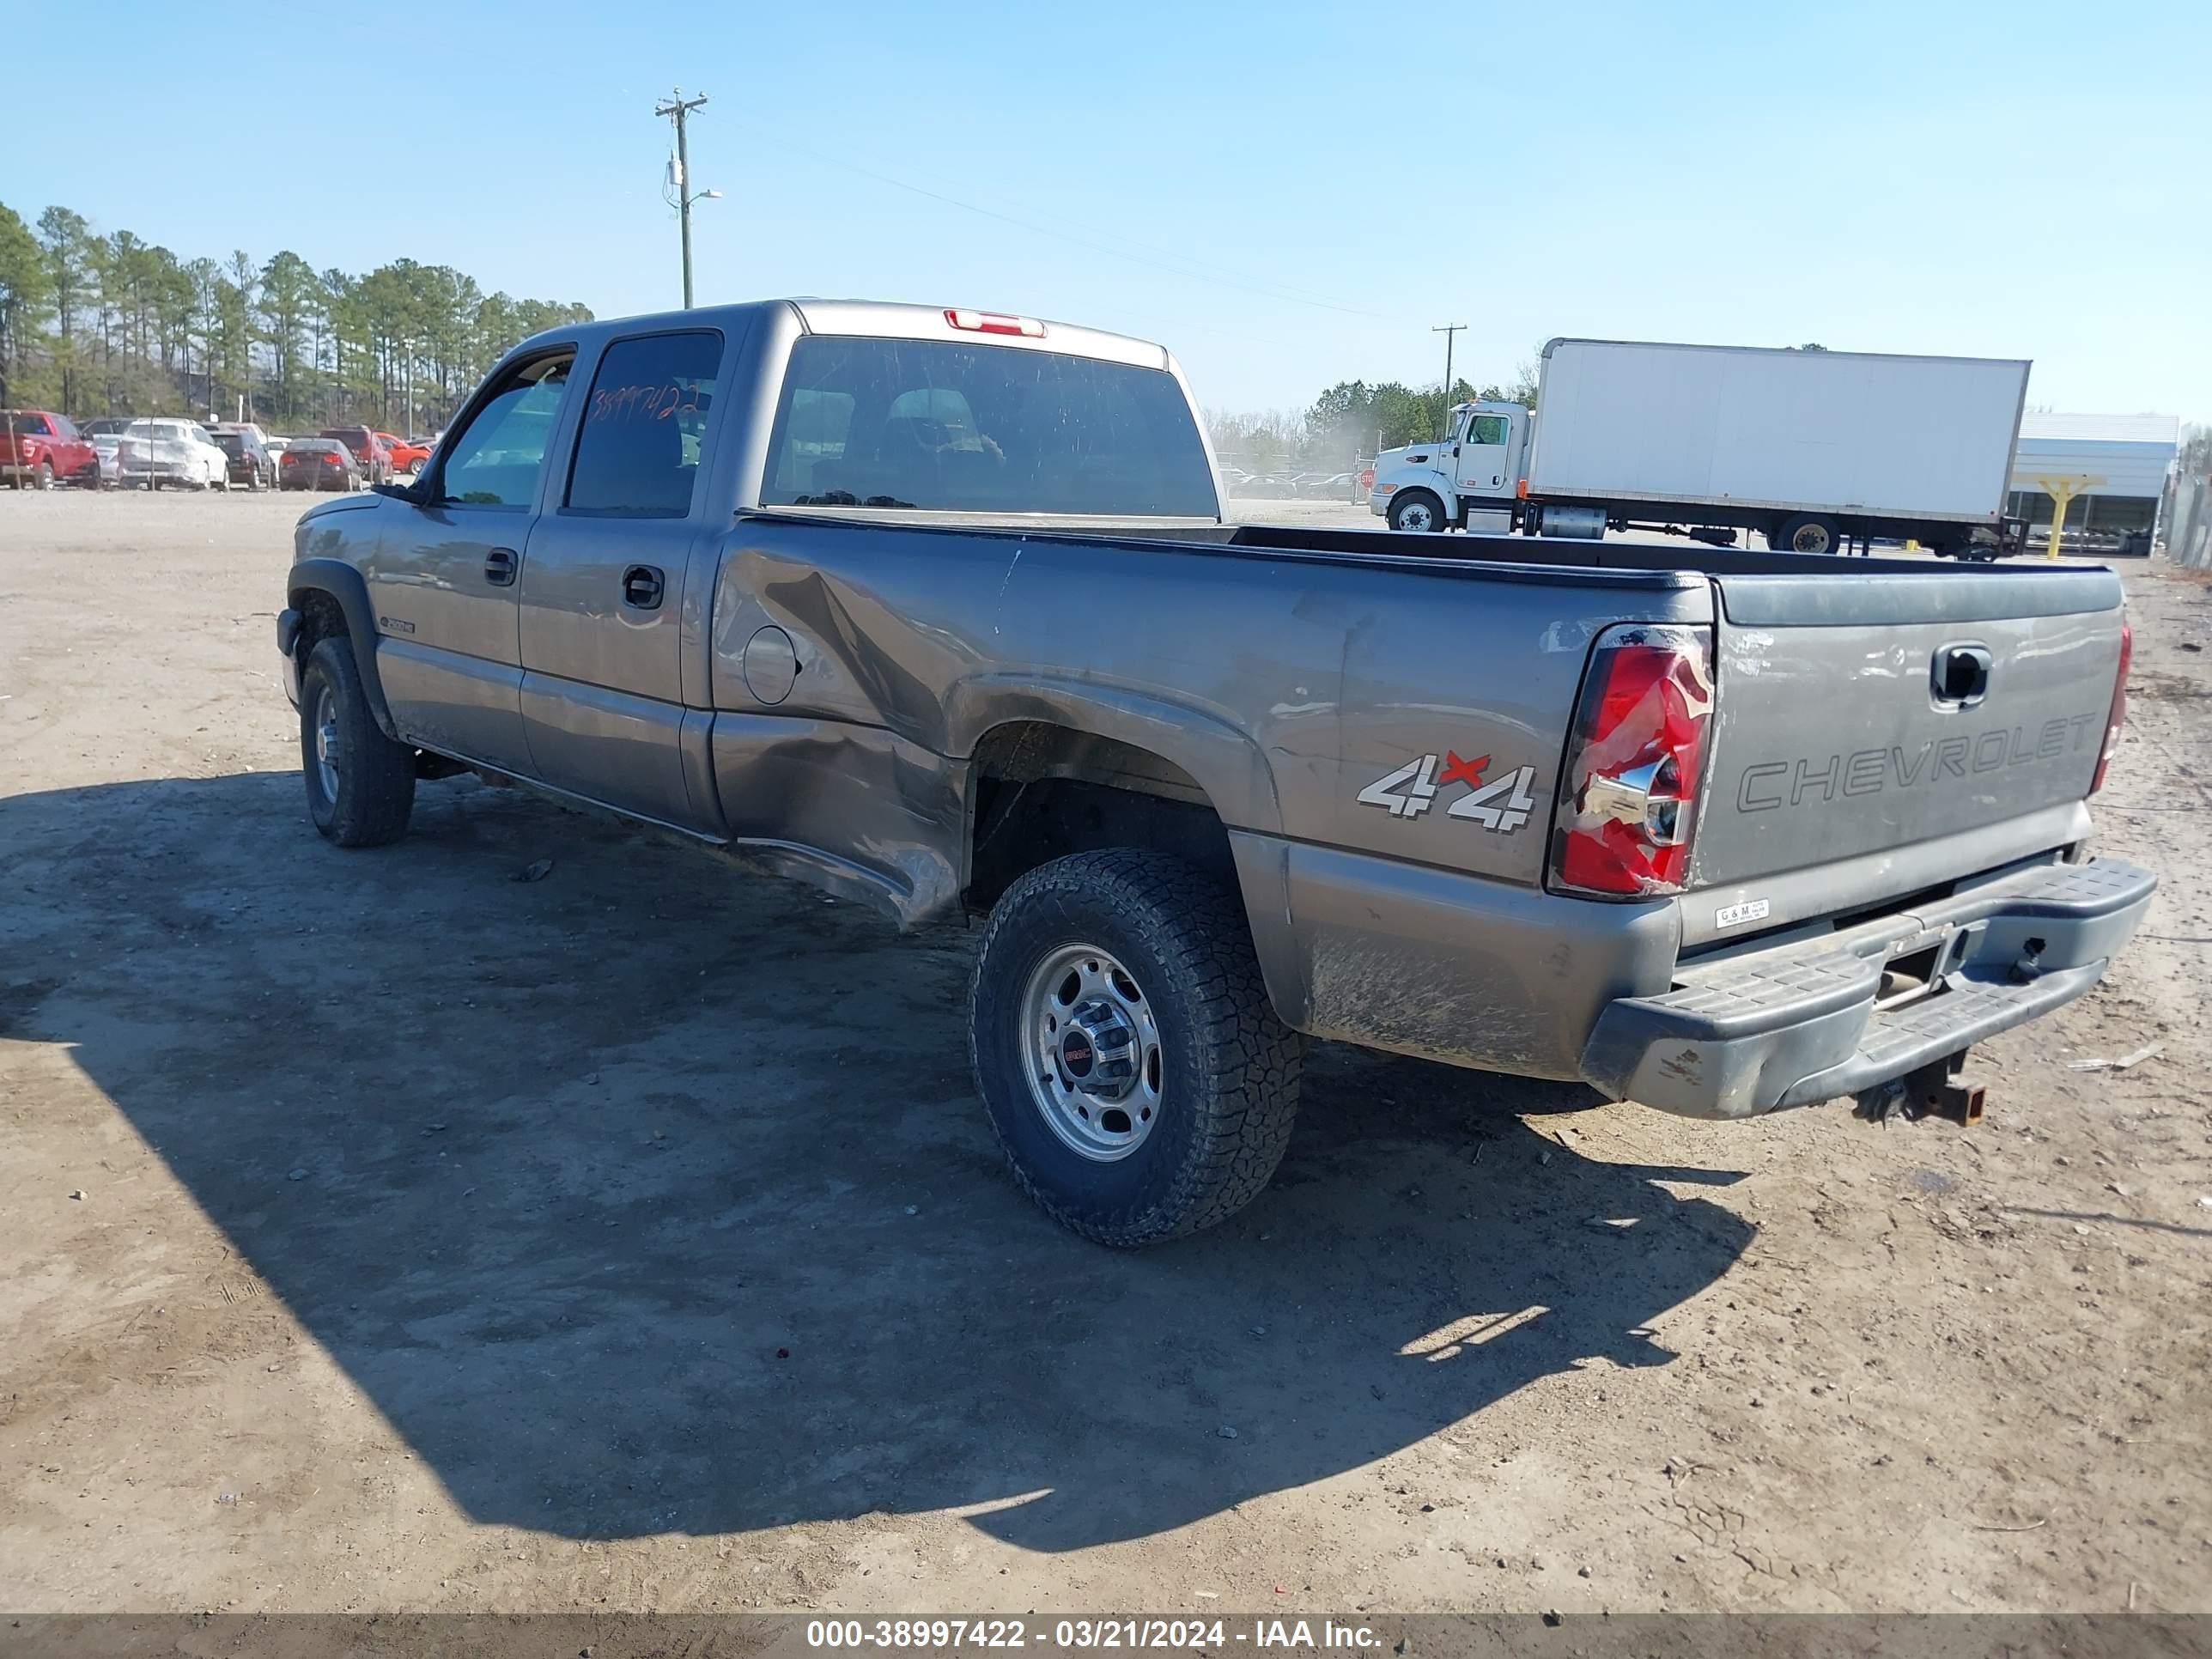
point(952, 427)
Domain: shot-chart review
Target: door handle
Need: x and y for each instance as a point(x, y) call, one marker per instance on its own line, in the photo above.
point(499, 567)
point(642, 584)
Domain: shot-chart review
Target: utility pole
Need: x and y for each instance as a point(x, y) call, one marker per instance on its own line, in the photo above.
point(678, 109)
point(1448, 330)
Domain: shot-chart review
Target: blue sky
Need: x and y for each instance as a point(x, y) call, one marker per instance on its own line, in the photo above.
point(1287, 195)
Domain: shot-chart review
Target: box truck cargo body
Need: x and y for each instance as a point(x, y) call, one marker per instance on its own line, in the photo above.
point(1811, 448)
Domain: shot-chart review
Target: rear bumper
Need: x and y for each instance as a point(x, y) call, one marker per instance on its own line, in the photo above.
point(1794, 1024)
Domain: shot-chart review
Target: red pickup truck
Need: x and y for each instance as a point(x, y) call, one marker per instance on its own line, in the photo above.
point(39, 449)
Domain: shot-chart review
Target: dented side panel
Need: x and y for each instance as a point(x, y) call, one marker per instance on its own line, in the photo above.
point(853, 807)
point(1289, 688)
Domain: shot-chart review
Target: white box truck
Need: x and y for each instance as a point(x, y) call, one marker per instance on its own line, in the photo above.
point(1810, 448)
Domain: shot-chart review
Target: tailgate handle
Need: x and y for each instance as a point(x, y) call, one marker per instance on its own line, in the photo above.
point(1960, 675)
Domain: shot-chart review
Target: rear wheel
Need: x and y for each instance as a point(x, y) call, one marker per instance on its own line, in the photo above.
point(1132, 1066)
point(1417, 509)
point(360, 784)
point(44, 478)
point(1805, 533)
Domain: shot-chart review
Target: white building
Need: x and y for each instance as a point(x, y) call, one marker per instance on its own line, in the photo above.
point(2131, 455)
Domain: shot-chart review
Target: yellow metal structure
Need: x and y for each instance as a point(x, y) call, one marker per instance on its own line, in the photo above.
point(2061, 490)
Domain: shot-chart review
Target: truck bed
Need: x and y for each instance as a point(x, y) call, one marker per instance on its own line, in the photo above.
point(1836, 779)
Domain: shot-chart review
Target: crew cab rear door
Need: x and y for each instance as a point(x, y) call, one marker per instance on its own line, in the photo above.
point(1874, 737)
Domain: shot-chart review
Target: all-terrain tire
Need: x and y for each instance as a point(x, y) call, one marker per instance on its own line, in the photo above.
point(362, 797)
point(1228, 1068)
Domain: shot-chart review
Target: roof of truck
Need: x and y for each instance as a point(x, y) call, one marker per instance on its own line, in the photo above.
point(891, 319)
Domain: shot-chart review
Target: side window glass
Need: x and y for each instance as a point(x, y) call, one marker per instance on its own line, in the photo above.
point(637, 449)
point(1487, 429)
point(494, 461)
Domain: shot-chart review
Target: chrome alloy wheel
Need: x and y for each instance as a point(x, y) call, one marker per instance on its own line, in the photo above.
point(1091, 1053)
point(329, 745)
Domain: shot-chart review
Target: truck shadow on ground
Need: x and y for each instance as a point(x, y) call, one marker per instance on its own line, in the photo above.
point(651, 1196)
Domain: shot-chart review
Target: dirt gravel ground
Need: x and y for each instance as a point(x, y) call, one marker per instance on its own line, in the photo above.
point(384, 1232)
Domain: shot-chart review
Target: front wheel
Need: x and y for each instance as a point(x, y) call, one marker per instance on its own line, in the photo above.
point(360, 784)
point(1417, 509)
point(1132, 1068)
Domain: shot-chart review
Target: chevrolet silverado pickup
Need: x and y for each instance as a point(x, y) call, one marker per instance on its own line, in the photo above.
point(940, 609)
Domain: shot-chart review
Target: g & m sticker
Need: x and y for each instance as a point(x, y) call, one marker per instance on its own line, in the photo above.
point(1735, 915)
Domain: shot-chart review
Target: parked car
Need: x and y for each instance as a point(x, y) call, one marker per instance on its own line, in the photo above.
point(39, 449)
point(105, 432)
point(108, 446)
point(250, 464)
point(368, 449)
point(317, 463)
point(253, 429)
point(406, 453)
point(1686, 825)
point(158, 453)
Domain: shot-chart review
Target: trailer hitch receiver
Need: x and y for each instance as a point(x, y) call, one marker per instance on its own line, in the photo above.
point(1934, 1090)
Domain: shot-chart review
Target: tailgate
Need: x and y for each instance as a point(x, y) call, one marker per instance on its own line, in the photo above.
point(1855, 717)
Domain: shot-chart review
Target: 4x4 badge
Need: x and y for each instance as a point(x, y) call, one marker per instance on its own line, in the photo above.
point(1502, 804)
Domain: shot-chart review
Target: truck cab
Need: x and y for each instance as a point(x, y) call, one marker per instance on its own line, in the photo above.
point(1469, 477)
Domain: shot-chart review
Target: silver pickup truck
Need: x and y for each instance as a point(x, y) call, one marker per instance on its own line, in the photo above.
point(939, 608)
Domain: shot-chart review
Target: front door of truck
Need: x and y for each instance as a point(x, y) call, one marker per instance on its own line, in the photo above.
point(1484, 459)
point(602, 590)
point(444, 579)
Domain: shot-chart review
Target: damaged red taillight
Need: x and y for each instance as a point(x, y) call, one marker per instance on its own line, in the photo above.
point(1628, 802)
point(2118, 717)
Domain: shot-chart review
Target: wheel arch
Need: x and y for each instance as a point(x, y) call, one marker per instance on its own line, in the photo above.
point(332, 599)
point(1054, 770)
point(1445, 498)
